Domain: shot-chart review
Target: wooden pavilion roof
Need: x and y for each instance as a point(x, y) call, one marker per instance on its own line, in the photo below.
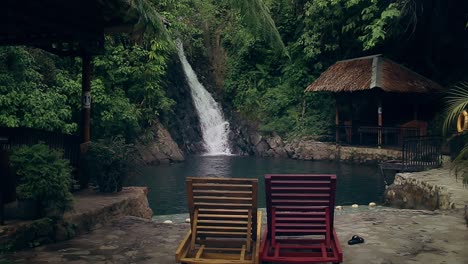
point(71, 27)
point(371, 72)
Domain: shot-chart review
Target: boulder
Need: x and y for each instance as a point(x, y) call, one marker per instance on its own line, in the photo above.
point(255, 138)
point(275, 141)
point(262, 147)
point(163, 149)
point(409, 193)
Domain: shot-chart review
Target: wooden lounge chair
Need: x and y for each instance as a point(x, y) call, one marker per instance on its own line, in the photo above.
point(300, 219)
point(225, 224)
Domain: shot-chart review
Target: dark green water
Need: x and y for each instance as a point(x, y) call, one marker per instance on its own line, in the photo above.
point(356, 183)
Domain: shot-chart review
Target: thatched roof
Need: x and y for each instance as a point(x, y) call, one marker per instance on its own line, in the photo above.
point(372, 72)
point(72, 27)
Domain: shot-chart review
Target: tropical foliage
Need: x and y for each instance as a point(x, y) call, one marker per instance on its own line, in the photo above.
point(44, 177)
point(108, 161)
point(457, 101)
point(33, 92)
point(259, 56)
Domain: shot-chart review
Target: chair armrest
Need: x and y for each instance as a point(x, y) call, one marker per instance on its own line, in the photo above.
point(259, 232)
point(183, 247)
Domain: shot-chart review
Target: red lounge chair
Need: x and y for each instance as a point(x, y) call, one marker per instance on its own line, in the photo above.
point(300, 212)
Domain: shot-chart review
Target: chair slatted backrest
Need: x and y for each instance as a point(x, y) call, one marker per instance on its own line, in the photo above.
point(300, 204)
point(223, 211)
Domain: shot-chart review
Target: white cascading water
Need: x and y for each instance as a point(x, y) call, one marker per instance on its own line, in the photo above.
point(214, 127)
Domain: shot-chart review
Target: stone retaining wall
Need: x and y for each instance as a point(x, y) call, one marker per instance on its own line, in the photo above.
point(91, 211)
point(430, 190)
point(315, 150)
point(410, 193)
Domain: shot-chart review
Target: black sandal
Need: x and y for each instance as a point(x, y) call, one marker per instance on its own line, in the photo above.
point(355, 240)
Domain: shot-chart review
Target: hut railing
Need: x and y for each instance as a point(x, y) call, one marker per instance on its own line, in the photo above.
point(419, 153)
point(368, 135)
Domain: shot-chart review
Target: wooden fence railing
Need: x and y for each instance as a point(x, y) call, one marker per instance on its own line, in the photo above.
point(18, 136)
point(421, 153)
point(368, 135)
point(11, 138)
point(417, 154)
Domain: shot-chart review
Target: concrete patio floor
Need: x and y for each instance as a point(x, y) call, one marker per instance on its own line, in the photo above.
point(391, 236)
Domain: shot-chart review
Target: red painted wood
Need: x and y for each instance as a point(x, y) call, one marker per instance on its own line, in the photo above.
point(291, 200)
point(301, 195)
point(300, 205)
point(300, 189)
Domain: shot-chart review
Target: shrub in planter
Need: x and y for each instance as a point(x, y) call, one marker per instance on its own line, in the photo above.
point(44, 178)
point(109, 161)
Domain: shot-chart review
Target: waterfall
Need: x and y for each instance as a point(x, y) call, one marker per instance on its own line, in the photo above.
point(214, 127)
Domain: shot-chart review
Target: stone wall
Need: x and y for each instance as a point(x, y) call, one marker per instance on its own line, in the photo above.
point(430, 190)
point(91, 211)
point(409, 193)
point(89, 215)
point(304, 149)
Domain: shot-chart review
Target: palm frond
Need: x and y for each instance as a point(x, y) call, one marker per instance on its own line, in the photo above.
point(460, 165)
point(457, 101)
point(149, 20)
point(257, 18)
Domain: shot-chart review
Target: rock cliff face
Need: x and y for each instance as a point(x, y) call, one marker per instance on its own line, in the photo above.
point(163, 149)
point(184, 123)
point(251, 142)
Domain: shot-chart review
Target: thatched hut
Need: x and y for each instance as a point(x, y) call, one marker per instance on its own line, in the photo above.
point(377, 81)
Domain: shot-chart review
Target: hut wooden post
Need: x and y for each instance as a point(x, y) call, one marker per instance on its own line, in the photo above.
point(85, 113)
point(2, 218)
point(415, 112)
point(349, 124)
point(379, 121)
point(337, 122)
point(86, 98)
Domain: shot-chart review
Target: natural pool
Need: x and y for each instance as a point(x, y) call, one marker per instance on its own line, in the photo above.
point(359, 184)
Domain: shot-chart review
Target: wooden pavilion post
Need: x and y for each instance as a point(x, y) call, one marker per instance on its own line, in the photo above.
point(349, 123)
point(7, 185)
point(2, 208)
point(337, 122)
point(415, 111)
point(85, 113)
point(86, 99)
point(379, 121)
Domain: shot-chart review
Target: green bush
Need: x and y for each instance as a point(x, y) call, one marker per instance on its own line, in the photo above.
point(109, 161)
point(44, 177)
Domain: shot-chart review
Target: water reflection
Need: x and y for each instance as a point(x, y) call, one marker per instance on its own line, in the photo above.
point(211, 166)
point(356, 183)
